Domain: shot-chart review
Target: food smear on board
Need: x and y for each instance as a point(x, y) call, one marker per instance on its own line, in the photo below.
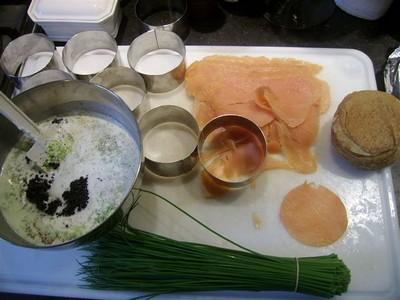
point(313, 215)
point(282, 96)
point(257, 221)
point(89, 172)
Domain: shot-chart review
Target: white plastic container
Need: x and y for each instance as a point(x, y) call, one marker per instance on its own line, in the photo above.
point(365, 9)
point(62, 19)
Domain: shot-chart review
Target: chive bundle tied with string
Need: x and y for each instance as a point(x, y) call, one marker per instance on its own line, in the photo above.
point(132, 259)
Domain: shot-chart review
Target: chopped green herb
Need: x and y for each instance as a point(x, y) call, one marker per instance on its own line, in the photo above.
point(57, 150)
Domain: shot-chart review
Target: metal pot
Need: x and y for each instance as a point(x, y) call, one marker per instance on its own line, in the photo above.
point(60, 98)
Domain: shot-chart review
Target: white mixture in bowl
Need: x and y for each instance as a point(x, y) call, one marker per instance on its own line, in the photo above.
point(91, 165)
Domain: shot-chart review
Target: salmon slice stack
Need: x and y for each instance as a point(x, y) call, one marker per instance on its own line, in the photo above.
point(282, 96)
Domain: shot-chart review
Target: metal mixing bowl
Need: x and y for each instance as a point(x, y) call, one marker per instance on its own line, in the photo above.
point(61, 98)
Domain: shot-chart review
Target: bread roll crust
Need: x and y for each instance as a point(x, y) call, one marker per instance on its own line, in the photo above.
point(366, 129)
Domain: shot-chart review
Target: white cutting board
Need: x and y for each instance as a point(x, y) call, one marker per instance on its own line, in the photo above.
point(370, 247)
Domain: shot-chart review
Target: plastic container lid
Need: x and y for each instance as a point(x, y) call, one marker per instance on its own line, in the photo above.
point(71, 11)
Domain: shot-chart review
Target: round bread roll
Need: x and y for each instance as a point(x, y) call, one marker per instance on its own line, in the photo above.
point(366, 129)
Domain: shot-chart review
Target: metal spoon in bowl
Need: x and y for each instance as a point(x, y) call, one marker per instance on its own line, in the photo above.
point(37, 153)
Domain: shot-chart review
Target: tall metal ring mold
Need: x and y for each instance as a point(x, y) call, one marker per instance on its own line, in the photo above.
point(88, 43)
point(231, 120)
point(45, 77)
point(116, 77)
point(164, 115)
point(22, 54)
point(159, 43)
point(169, 15)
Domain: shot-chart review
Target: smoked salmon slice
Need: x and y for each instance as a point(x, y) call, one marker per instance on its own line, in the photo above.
point(290, 100)
point(306, 133)
point(272, 136)
point(313, 215)
point(263, 64)
point(299, 157)
point(282, 96)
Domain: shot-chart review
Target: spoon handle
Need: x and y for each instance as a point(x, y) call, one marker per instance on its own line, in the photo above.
point(20, 119)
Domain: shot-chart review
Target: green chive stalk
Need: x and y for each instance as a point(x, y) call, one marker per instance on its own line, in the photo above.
point(130, 259)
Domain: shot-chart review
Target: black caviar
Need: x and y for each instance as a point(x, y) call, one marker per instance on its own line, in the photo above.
point(37, 191)
point(52, 207)
point(57, 120)
point(75, 199)
point(53, 165)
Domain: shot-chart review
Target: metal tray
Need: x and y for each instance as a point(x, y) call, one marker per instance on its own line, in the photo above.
point(371, 246)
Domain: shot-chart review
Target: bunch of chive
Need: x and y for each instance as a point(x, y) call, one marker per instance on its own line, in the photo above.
point(131, 259)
